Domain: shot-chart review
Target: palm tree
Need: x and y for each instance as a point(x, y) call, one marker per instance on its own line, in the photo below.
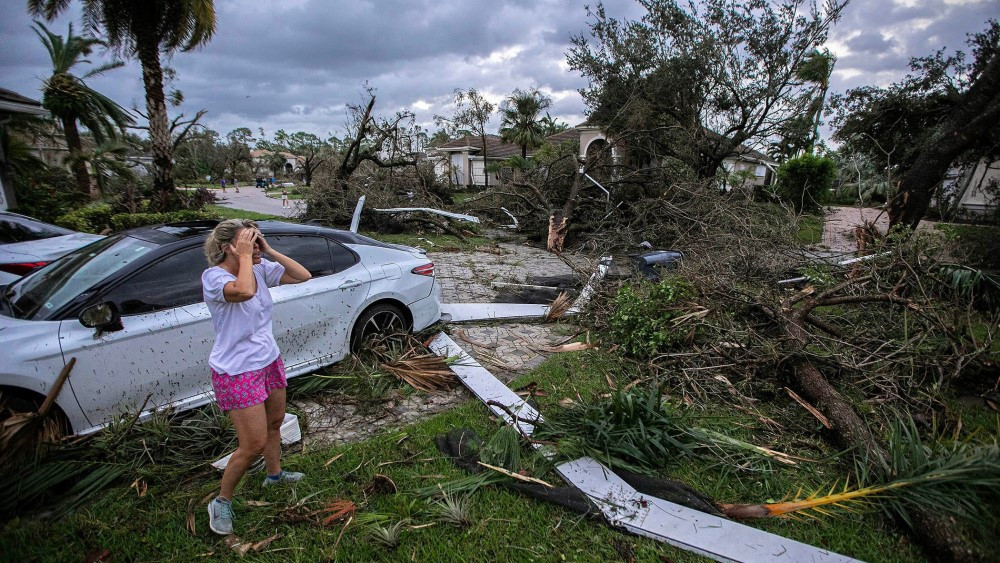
point(70, 100)
point(108, 160)
point(816, 68)
point(144, 30)
point(519, 123)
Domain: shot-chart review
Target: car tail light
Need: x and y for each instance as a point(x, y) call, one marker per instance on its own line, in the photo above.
point(24, 268)
point(425, 270)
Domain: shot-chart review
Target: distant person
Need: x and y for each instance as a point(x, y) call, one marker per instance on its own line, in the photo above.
point(223, 183)
point(248, 376)
point(236, 184)
point(284, 198)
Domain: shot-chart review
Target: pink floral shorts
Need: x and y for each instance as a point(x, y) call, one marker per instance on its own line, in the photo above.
point(248, 388)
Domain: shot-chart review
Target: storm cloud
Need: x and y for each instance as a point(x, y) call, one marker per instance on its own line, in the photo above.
point(296, 64)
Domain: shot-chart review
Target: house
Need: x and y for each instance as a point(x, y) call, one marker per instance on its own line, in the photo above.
point(978, 188)
point(464, 162)
point(262, 160)
point(11, 104)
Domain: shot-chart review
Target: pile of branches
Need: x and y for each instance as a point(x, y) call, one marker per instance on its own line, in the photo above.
point(892, 331)
point(331, 200)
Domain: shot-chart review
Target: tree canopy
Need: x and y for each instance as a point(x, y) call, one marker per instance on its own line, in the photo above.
point(699, 81)
point(944, 113)
point(145, 30)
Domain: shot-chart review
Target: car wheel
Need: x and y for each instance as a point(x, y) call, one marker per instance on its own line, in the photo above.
point(13, 404)
point(378, 321)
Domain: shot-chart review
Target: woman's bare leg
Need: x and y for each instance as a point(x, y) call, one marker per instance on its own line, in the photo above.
point(275, 407)
point(251, 430)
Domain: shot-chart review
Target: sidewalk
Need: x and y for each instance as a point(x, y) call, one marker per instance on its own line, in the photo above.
point(253, 199)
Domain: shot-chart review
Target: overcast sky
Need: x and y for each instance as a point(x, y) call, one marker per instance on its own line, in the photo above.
point(294, 64)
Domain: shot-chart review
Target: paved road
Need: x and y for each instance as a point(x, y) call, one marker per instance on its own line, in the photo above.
point(253, 199)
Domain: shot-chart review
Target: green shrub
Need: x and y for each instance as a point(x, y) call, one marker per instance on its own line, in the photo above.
point(91, 219)
point(805, 181)
point(46, 193)
point(643, 321)
point(125, 221)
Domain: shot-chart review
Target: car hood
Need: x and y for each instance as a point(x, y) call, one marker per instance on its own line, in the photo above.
point(46, 249)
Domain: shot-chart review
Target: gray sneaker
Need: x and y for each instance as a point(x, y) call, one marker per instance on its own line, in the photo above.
point(284, 477)
point(220, 516)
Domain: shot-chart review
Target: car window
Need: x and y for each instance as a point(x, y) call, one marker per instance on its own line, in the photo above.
point(311, 251)
point(41, 293)
point(169, 282)
point(342, 258)
point(21, 229)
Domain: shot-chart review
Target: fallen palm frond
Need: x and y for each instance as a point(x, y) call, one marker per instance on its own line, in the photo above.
point(422, 370)
point(708, 436)
point(946, 478)
point(24, 431)
point(503, 448)
point(558, 307)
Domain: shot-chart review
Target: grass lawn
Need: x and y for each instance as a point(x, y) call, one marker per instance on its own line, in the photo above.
point(810, 229)
point(442, 242)
point(231, 213)
point(504, 525)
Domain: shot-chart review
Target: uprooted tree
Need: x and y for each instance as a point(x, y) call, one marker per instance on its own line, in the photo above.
point(376, 160)
point(945, 113)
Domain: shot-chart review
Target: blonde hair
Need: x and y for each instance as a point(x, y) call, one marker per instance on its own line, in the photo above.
point(222, 236)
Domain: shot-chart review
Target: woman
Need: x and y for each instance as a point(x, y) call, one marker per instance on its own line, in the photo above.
point(247, 373)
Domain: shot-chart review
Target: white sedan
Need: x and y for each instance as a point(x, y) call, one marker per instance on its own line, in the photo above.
point(27, 244)
point(129, 308)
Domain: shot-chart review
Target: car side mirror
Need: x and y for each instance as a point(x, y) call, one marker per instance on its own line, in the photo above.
point(103, 317)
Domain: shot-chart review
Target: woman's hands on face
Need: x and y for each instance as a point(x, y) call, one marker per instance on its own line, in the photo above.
point(244, 243)
point(264, 247)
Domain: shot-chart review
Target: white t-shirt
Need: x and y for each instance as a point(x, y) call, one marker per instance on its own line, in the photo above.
point(243, 338)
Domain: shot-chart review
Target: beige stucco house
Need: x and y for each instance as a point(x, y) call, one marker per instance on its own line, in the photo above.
point(463, 160)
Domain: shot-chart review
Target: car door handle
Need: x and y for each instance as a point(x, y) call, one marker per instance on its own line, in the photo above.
point(349, 284)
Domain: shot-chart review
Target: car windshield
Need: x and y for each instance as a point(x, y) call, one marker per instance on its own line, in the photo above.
point(21, 229)
point(41, 293)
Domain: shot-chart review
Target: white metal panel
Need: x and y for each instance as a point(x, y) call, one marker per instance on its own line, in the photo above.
point(683, 527)
point(465, 312)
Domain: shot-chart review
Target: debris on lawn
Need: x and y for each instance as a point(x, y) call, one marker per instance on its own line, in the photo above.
point(380, 485)
point(472, 312)
point(448, 214)
point(421, 370)
point(23, 431)
point(242, 546)
point(558, 308)
point(356, 218)
point(620, 503)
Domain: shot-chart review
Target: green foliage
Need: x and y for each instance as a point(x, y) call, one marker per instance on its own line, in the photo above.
point(97, 218)
point(125, 221)
point(644, 319)
point(805, 181)
point(948, 477)
point(976, 244)
point(46, 192)
point(630, 429)
point(90, 219)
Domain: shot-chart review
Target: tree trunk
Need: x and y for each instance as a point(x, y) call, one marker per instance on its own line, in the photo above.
point(969, 123)
point(75, 147)
point(159, 129)
point(559, 221)
point(939, 535)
